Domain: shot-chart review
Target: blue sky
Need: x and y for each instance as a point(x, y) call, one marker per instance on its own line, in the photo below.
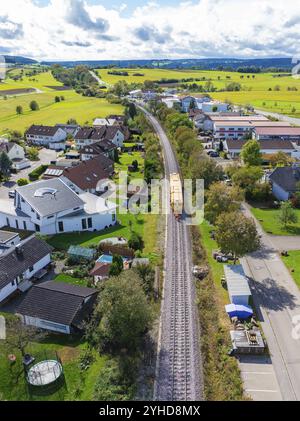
point(147, 29)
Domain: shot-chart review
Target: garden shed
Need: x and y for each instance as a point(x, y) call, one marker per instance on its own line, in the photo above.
point(237, 284)
point(78, 252)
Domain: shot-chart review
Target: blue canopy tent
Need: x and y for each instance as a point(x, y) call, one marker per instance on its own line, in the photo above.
point(240, 311)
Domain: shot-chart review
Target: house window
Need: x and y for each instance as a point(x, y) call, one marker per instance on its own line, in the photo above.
point(113, 217)
point(61, 226)
point(50, 217)
point(37, 227)
point(90, 222)
point(25, 225)
point(7, 222)
point(31, 269)
point(17, 224)
point(83, 223)
point(13, 282)
point(38, 216)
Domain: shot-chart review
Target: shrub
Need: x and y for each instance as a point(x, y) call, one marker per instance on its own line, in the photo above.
point(35, 174)
point(22, 182)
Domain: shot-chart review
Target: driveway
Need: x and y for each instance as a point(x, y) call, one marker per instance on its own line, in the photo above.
point(287, 243)
point(277, 302)
point(45, 155)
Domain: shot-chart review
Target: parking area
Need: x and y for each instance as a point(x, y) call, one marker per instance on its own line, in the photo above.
point(260, 382)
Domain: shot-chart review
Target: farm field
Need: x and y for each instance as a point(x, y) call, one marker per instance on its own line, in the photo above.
point(83, 109)
point(255, 88)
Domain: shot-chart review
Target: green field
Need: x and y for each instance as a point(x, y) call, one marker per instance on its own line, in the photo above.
point(255, 90)
point(78, 385)
point(292, 262)
point(270, 222)
point(83, 109)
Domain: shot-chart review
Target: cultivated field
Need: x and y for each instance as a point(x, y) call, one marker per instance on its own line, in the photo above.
point(83, 109)
point(259, 90)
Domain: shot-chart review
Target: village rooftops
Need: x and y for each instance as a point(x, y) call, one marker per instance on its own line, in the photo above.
point(42, 130)
point(98, 148)
point(237, 144)
point(48, 197)
point(87, 174)
point(102, 132)
point(249, 118)
point(57, 302)
point(20, 258)
point(6, 146)
point(278, 131)
point(287, 178)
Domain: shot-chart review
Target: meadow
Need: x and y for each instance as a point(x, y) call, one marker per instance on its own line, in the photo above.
point(259, 90)
point(83, 109)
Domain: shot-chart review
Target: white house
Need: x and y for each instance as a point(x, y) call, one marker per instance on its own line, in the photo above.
point(45, 135)
point(13, 150)
point(21, 263)
point(51, 207)
point(87, 136)
point(67, 306)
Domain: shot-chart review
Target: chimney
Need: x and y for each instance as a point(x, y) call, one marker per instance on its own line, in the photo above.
point(19, 250)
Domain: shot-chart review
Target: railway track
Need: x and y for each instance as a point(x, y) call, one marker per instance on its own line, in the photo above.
point(178, 373)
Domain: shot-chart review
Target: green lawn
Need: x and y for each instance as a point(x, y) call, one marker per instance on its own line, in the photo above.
point(68, 279)
point(292, 262)
point(69, 350)
point(83, 109)
point(270, 222)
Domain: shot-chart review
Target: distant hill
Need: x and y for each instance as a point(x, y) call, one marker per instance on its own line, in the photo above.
point(19, 60)
point(283, 64)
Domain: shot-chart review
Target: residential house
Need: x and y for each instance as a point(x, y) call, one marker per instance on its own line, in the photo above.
point(70, 129)
point(267, 147)
point(15, 153)
point(100, 272)
point(20, 264)
point(88, 136)
point(99, 122)
point(86, 176)
point(285, 182)
point(57, 306)
point(104, 147)
point(52, 137)
point(8, 239)
point(119, 119)
point(228, 125)
point(51, 207)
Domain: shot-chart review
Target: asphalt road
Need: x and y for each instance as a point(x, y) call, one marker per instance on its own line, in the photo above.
point(292, 120)
point(277, 300)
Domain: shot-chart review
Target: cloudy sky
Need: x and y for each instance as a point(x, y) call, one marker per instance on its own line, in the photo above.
point(137, 29)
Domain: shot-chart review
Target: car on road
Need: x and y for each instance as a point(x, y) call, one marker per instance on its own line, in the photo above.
point(11, 194)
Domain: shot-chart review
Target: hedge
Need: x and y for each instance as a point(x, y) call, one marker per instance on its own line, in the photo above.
point(35, 174)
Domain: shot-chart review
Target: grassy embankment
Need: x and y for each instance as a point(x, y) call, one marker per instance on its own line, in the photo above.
point(269, 219)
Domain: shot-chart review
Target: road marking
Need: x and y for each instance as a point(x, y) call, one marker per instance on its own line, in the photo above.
point(257, 372)
point(261, 390)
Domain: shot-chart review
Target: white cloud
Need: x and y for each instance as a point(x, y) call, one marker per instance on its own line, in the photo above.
point(75, 29)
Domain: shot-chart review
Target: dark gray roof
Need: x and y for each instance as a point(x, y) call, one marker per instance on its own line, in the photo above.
point(6, 146)
point(264, 144)
point(286, 177)
point(7, 236)
point(98, 148)
point(13, 264)
point(42, 130)
point(99, 133)
point(56, 302)
point(46, 203)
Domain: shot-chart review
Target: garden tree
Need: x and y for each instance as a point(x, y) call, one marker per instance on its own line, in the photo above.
point(57, 99)
point(236, 234)
point(121, 88)
point(116, 156)
point(251, 154)
point(287, 214)
point(280, 159)
point(147, 276)
point(5, 164)
point(72, 121)
point(22, 182)
point(32, 153)
point(117, 266)
point(193, 104)
point(222, 199)
point(124, 313)
point(203, 167)
point(247, 177)
point(221, 146)
point(136, 241)
point(175, 120)
point(19, 336)
point(19, 109)
point(186, 141)
point(132, 112)
point(135, 165)
point(34, 106)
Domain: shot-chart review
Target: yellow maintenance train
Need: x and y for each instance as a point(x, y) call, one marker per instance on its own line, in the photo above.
point(176, 195)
